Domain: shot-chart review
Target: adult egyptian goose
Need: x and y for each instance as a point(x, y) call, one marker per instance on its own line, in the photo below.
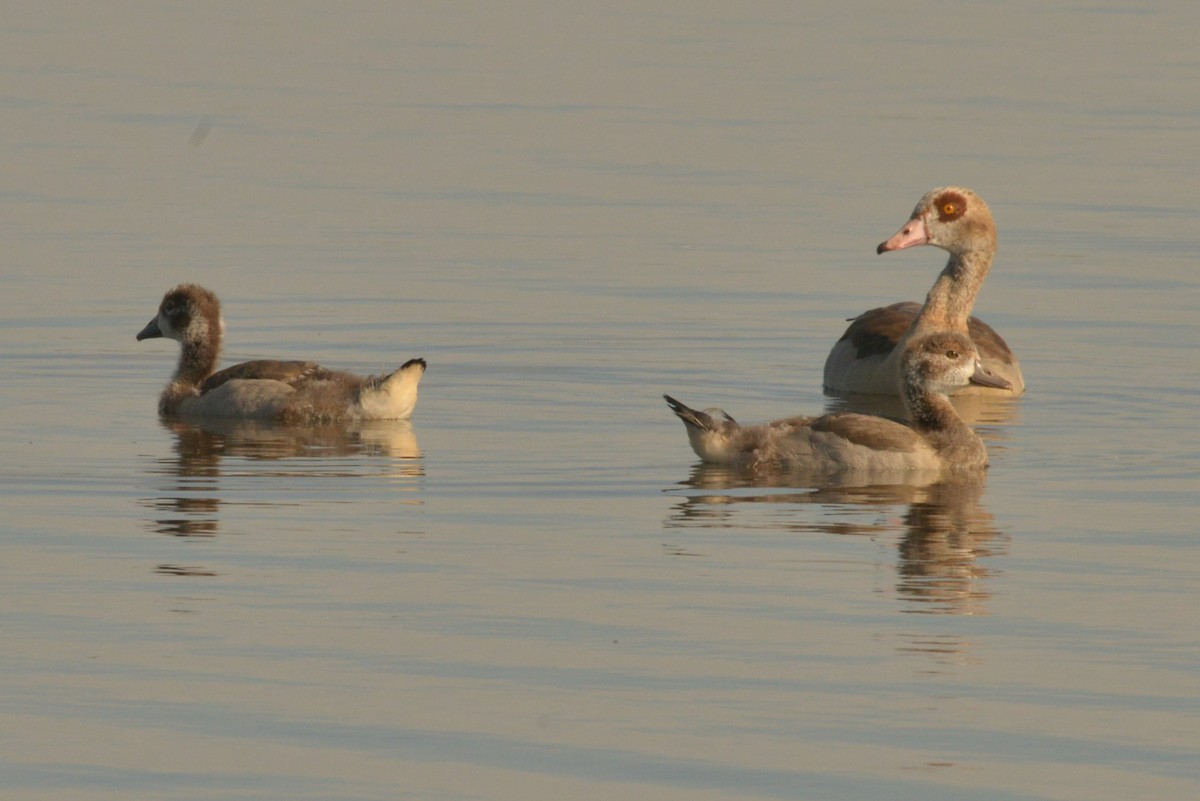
point(867, 357)
point(936, 438)
point(290, 391)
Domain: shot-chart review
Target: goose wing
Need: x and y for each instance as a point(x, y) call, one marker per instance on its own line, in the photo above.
point(286, 372)
point(990, 344)
point(876, 433)
point(877, 331)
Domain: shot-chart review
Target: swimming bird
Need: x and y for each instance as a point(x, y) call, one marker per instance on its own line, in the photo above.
point(289, 391)
point(867, 357)
point(935, 438)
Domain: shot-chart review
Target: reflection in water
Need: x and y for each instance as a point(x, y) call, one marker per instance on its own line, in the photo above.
point(947, 532)
point(200, 445)
point(944, 532)
point(190, 503)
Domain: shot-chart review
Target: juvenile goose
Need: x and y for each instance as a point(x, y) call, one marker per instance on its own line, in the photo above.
point(867, 357)
point(936, 438)
point(280, 390)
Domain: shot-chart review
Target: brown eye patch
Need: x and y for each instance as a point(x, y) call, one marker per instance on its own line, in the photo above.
point(950, 206)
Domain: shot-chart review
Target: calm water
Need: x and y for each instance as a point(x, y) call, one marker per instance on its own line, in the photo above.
point(533, 591)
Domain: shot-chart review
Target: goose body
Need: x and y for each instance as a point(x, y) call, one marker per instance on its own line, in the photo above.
point(935, 438)
point(290, 391)
point(866, 359)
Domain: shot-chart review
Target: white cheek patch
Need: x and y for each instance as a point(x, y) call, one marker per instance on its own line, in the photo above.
point(198, 329)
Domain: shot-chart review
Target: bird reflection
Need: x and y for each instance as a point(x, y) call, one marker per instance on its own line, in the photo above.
point(189, 502)
point(945, 530)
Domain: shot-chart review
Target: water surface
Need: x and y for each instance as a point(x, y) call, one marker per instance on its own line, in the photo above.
point(532, 590)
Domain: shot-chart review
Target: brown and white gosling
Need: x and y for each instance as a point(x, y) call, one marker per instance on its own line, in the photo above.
point(936, 438)
point(288, 391)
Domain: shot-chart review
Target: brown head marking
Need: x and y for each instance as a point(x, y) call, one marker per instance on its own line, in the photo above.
point(949, 206)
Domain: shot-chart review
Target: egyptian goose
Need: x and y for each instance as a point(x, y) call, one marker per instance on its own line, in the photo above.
point(867, 358)
point(290, 391)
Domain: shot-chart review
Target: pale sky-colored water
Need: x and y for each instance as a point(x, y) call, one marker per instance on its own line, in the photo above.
point(532, 591)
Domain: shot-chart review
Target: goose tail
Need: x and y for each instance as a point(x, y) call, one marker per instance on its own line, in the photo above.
point(393, 396)
point(706, 420)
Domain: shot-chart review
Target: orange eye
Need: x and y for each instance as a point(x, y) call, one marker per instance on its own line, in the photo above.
point(949, 209)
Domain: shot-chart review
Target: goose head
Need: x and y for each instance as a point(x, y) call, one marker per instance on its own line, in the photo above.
point(952, 218)
point(943, 362)
point(188, 314)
